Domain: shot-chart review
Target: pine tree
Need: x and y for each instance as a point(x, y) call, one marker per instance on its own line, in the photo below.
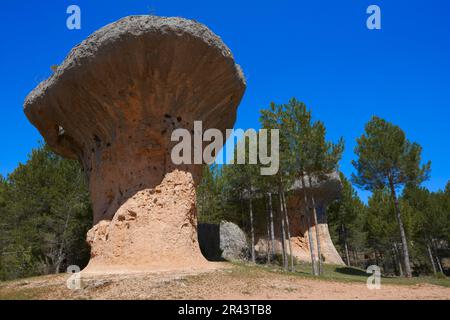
point(310, 155)
point(381, 226)
point(46, 216)
point(304, 152)
point(210, 204)
point(243, 179)
point(282, 181)
point(387, 159)
point(430, 219)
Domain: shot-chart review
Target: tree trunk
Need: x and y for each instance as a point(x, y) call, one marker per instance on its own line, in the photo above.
point(406, 262)
point(430, 254)
point(288, 232)
point(395, 263)
point(61, 253)
point(243, 214)
point(437, 256)
point(316, 222)
point(283, 245)
point(439, 264)
point(397, 255)
point(283, 227)
point(344, 235)
point(60, 258)
point(346, 253)
point(355, 257)
point(308, 220)
point(268, 242)
point(383, 259)
point(252, 230)
point(272, 229)
point(268, 232)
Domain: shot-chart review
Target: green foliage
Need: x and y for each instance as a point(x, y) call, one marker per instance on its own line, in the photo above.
point(386, 157)
point(216, 197)
point(45, 209)
point(381, 226)
point(430, 213)
point(308, 147)
point(346, 219)
point(224, 193)
point(303, 144)
point(45, 214)
point(303, 150)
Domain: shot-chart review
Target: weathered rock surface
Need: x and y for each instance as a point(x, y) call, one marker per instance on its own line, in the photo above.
point(113, 104)
point(325, 189)
point(233, 242)
point(224, 241)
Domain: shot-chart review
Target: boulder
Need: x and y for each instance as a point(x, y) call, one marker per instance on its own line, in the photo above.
point(224, 241)
point(233, 242)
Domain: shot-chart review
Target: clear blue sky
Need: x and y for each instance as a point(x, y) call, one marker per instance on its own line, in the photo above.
point(318, 51)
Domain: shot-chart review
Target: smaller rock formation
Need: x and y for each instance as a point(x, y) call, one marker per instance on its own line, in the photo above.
point(224, 241)
point(325, 189)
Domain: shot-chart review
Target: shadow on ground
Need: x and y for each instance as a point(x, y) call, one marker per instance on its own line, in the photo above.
point(352, 271)
point(209, 241)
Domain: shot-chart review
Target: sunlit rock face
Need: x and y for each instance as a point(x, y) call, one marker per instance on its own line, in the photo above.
point(113, 105)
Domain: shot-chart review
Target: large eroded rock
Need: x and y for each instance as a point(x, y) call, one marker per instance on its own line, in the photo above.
point(113, 104)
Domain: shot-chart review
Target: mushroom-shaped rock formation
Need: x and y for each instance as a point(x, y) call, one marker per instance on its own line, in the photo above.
point(113, 105)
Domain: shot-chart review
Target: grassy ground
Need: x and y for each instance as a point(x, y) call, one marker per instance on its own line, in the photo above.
point(19, 290)
point(349, 274)
point(232, 281)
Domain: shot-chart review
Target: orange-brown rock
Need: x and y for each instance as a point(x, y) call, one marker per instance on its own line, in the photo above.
point(325, 189)
point(113, 104)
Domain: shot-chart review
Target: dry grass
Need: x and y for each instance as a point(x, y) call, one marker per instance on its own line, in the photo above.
point(241, 281)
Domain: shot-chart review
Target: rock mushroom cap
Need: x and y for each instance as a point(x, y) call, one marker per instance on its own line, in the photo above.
point(131, 72)
point(326, 187)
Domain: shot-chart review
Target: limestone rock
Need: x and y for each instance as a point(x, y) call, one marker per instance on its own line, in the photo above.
point(113, 104)
point(224, 241)
point(233, 242)
point(325, 189)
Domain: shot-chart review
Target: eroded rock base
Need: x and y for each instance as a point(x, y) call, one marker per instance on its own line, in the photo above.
point(154, 230)
point(300, 247)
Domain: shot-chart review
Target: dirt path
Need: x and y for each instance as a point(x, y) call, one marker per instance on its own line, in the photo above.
point(230, 283)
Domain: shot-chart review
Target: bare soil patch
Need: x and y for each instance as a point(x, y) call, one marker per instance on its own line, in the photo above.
point(226, 282)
